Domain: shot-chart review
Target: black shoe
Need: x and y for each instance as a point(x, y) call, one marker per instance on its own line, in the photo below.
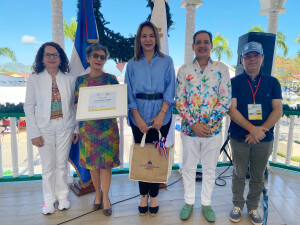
point(154, 210)
point(143, 210)
point(107, 212)
point(98, 206)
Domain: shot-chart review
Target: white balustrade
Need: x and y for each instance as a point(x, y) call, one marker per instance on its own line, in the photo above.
point(227, 120)
point(121, 143)
point(1, 168)
point(14, 146)
point(290, 141)
point(30, 157)
point(276, 141)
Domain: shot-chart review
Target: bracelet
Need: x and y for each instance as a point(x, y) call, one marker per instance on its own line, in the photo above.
point(251, 126)
point(163, 111)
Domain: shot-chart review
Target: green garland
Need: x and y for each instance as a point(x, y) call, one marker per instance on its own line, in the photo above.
point(120, 48)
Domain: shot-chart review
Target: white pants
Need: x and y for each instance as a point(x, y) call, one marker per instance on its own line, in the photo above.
point(54, 156)
point(209, 150)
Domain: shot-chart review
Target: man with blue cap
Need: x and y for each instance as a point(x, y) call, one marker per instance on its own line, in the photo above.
point(255, 108)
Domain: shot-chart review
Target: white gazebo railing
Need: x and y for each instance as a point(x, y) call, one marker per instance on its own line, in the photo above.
point(288, 128)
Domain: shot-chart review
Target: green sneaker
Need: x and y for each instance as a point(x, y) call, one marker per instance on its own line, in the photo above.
point(209, 213)
point(186, 211)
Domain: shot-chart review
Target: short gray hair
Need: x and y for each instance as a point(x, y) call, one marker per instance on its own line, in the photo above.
point(96, 47)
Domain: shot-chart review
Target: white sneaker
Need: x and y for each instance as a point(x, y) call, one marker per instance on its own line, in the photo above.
point(48, 208)
point(63, 204)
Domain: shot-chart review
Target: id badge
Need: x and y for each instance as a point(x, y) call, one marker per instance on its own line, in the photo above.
point(254, 112)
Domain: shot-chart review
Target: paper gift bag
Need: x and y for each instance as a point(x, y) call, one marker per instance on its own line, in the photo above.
point(148, 165)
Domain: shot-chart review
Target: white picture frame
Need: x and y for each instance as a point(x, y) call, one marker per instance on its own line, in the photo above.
point(102, 102)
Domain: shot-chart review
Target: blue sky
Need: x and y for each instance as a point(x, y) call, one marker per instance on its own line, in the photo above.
point(231, 18)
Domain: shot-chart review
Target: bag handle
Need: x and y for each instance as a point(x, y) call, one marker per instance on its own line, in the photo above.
point(144, 137)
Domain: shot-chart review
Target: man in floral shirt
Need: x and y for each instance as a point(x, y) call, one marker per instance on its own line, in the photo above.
point(203, 98)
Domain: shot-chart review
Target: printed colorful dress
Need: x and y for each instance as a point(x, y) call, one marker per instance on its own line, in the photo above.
point(99, 139)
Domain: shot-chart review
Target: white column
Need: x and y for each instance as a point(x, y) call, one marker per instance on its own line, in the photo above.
point(14, 146)
point(30, 157)
point(276, 141)
point(57, 23)
point(272, 28)
point(190, 6)
point(289, 148)
point(272, 8)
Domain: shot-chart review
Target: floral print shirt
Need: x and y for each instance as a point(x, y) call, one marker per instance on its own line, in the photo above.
point(203, 97)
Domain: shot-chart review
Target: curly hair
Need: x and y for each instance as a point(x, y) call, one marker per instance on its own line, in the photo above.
point(38, 65)
point(96, 47)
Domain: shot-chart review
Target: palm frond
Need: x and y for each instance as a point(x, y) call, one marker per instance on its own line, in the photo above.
point(9, 53)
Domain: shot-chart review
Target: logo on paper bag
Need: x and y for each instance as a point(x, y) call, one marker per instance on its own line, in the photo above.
point(149, 166)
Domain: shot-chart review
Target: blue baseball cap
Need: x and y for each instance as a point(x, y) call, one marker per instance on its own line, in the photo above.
point(252, 47)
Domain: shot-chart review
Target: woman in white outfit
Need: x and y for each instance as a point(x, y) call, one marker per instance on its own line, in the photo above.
point(50, 117)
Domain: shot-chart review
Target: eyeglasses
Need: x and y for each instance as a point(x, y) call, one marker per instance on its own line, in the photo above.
point(48, 55)
point(255, 56)
point(96, 56)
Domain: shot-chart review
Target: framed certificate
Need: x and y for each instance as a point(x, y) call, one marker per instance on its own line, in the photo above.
point(102, 102)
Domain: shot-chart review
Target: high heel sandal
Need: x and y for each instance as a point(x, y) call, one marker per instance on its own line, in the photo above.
point(98, 206)
point(143, 209)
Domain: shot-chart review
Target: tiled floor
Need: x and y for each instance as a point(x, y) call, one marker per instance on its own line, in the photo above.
point(21, 203)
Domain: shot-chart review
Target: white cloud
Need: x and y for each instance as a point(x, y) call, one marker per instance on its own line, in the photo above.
point(26, 39)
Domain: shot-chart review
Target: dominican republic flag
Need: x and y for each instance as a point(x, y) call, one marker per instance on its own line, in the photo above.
point(159, 19)
point(86, 34)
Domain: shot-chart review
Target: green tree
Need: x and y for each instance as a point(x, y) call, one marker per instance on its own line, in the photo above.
point(280, 38)
point(287, 71)
point(297, 41)
point(120, 47)
point(9, 53)
point(70, 29)
point(221, 46)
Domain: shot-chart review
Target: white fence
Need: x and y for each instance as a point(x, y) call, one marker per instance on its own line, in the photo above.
point(286, 125)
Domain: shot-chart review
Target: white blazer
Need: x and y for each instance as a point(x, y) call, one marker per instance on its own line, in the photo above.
point(37, 105)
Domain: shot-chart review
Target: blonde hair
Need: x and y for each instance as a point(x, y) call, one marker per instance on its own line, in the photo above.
point(137, 43)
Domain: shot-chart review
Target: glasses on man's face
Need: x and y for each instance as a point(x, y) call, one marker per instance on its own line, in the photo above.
point(96, 56)
point(249, 56)
point(48, 55)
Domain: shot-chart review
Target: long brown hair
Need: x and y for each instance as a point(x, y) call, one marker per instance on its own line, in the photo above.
point(138, 51)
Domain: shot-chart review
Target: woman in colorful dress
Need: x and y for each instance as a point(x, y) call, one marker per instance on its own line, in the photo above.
point(50, 118)
point(150, 79)
point(99, 139)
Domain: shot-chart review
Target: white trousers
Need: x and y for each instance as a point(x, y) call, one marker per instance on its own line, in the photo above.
point(209, 150)
point(54, 156)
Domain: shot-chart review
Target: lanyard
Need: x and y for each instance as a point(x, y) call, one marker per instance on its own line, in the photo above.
point(254, 93)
